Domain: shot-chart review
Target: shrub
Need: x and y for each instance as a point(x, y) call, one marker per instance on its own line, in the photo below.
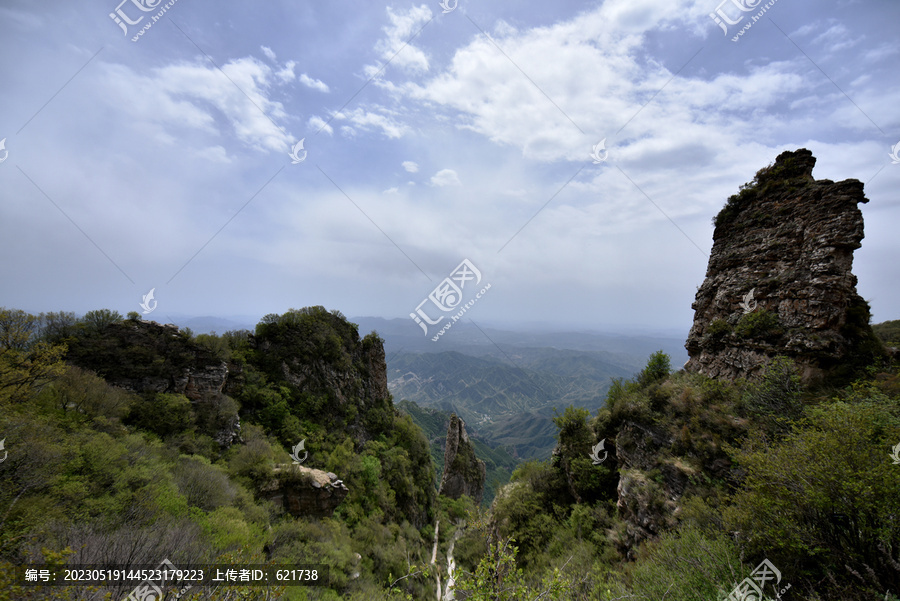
point(758, 324)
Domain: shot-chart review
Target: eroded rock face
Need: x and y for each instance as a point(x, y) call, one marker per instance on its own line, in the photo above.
point(464, 473)
point(305, 492)
point(788, 239)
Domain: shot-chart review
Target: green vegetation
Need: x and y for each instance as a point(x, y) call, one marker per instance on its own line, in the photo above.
point(499, 463)
point(888, 332)
point(700, 480)
point(761, 323)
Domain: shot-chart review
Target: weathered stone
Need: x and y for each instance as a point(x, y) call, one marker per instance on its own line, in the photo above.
point(305, 492)
point(788, 239)
point(464, 473)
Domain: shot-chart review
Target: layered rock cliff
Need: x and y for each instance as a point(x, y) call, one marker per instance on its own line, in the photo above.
point(779, 279)
point(464, 473)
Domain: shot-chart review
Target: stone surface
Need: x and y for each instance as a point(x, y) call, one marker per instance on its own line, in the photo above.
point(464, 473)
point(788, 239)
point(304, 492)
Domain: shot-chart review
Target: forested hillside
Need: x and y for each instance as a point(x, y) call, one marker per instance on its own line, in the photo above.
point(127, 442)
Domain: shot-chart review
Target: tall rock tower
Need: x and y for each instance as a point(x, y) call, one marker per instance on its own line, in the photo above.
point(779, 279)
point(464, 473)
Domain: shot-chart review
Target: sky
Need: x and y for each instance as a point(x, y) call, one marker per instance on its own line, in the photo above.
point(560, 161)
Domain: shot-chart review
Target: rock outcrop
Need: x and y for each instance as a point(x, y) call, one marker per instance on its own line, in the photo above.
point(779, 279)
point(146, 357)
point(464, 473)
point(304, 492)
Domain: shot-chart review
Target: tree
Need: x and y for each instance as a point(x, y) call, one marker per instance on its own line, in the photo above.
point(26, 365)
point(97, 320)
point(658, 367)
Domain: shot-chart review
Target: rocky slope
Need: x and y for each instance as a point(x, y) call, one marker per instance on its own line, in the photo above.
point(464, 473)
point(779, 279)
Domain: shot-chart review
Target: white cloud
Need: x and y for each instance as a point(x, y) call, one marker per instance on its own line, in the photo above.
point(315, 84)
point(268, 52)
point(392, 190)
point(445, 177)
point(396, 48)
point(384, 120)
point(287, 72)
point(183, 94)
point(410, 166)
point(319, 124)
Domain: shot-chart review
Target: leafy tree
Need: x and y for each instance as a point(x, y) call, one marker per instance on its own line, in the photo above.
point(658, 367)
point(26, 364)
point(823, 502)
point(97, 320)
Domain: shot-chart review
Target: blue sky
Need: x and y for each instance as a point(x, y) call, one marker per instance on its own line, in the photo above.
point(429, 137)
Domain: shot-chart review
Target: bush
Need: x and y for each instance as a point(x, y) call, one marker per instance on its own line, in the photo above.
point(687, 565)
point(759, 324)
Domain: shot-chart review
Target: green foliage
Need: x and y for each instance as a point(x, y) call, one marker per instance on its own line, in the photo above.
point(162, 414)
point(761, 323)
point(888, 332)
point(777, 395)
point(822, 502)
point(687, 565)
point(658, 368)
point(96, 321)
point(27, 364)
